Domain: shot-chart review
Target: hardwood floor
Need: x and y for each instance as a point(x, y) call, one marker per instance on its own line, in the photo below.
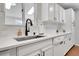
point(74, 51)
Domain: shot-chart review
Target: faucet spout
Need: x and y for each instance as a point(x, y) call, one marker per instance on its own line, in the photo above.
point(26, 31)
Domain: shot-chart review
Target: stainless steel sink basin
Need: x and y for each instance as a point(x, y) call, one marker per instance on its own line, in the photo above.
point(28, 38)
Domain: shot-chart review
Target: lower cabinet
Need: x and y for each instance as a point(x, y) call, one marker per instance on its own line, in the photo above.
point(57, 46)
point(68, 43)
point(40, 48)
point(59, 49)
point(11, 52)
point(34, 53)
point(48, 51)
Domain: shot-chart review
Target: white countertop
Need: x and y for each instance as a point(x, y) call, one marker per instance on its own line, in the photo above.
point(10, 42)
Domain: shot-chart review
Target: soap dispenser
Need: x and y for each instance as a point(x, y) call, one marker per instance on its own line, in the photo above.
point(19, 32)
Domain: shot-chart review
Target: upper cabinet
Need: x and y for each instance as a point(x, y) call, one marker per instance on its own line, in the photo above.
point(70, 18)
point(44, 12)
point(16, 13)
point(13, 14)
point(57, 13)
point(53, 12)
point(62, 15)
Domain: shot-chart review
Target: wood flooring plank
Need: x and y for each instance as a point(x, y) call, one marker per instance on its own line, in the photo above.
point(74, 51)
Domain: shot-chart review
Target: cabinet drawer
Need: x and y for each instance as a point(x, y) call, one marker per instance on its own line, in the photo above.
point(26, 49)
point(35, 53)
point(48, 51)
point(57, 40)
point(59, 50)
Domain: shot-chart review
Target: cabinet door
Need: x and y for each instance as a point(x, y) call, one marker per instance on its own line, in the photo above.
point(13, 15)
point(59, 49)
point(51, 11)
point(11, 52)
point(68, 43)
point(62, 15)
point(57, 13)
point(34, 53)
point(48, 51)
point(44, 12)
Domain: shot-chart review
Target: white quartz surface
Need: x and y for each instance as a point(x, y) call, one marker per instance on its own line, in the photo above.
point(10, 42)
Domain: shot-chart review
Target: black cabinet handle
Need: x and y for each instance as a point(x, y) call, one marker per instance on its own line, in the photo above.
point(39, 55)
point(43, 53)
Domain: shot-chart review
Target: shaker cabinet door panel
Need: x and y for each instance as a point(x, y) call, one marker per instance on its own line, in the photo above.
point(34, 53)
point(48, 51)
point(57, 13)
point(51, 11)
point(11, 52)
point(59, 50)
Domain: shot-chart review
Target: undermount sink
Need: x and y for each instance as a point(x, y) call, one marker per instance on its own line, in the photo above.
point(28, 38)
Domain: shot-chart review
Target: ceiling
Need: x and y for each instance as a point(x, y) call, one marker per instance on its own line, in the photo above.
point(75, 6)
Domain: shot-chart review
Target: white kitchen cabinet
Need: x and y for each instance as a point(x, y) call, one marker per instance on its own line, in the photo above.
point(68, 43)
point(51, 7)
point(44, 12)
point(57, 13)
point(28, 49)
point(34, 53)
point(48, 51)
point(11, 52)
point(59, 47)
point(69, 19)
point(62, 15)
point(13, 16)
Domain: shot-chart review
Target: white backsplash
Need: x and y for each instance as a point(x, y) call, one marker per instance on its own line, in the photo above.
point(50, 28)
point(11, 31)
